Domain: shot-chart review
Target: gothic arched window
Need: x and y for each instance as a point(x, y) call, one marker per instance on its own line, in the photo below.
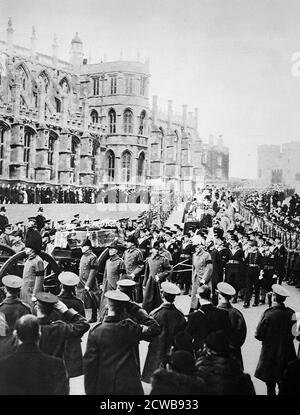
point(94, 117)
point(112, 121)
point(26, 150)
point(142, 120)
point(126, 166)
point(110, 160)
point(128, 117)
point(141, 161)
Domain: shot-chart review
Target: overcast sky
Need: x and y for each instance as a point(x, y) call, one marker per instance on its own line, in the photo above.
point(230, 58)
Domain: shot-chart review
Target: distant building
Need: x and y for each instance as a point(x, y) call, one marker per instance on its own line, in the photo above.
point(80, 124)
point(278, 165)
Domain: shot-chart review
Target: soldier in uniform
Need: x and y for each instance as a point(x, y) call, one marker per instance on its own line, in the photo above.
point(33, 271)
point(234, 270)
point(238, 323)
point(280, 259)
point(56, 333)
point(134, 264)
point(135, 312)
point(32, 234)
point(11, 309)
point(144, 243)
point(267, 277)
point(73, 351)
point(184, 274)
point(157, 270)
point(88, 269)
point(28, 371)
point(3, 218)
point(275, 332)
point(5, 238)
point(171, 321)
point(110, 364)
point(207, 319)
point(40, 219)
point(201, 272)
point(254, 263)
point(45, 233)
point(114, 269)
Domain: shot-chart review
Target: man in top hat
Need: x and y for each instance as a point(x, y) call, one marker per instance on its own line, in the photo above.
point(40, 219)
point(28, 371)
point(110, 364)
point(5, 237)
point(157, 270)
point(275, 332)
point(11, 309)
point(55, 333)
point(206, 319)
point(114, 270)
point(202, 270)
point(3, 218)
point(73, 351)
point(33, 271)
point(171, 321)
point(134, 264)
point(238, 323)
point(88, 270)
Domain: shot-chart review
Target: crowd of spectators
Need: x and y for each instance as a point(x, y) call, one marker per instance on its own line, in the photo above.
point(280, 207)
point(35, 194)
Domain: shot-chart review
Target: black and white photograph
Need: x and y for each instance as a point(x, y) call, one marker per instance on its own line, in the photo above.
point(150, 200)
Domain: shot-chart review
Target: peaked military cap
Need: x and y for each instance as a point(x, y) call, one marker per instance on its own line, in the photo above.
point(278, 289)
point(115, 295)
point(225, 288)
point(68, 278)
point(32, 218)
point(170, 288)
point(126, 282)
point(12, 281)
point(46, 298)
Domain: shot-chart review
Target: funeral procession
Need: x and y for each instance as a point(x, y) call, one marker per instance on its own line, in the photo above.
point(141, 254)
